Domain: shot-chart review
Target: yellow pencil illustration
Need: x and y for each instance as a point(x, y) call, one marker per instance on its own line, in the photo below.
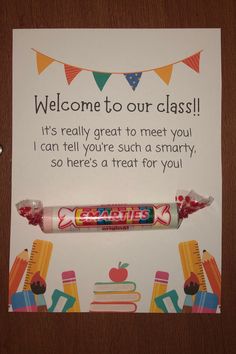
point(159, 288)
point(70, 288)
point(191, 262)
point(39, 261)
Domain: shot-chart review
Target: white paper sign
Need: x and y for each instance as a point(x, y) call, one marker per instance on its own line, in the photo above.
point(114, 116)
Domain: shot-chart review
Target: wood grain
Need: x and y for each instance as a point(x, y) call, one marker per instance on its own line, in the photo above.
point(123, 333)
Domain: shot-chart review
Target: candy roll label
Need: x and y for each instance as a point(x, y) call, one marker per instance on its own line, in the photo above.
point(107, 215)
point(113, 217)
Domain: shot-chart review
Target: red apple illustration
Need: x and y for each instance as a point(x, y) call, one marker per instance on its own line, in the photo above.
point(119, 274)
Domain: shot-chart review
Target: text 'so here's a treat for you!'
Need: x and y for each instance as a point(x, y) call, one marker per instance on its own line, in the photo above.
point(114, 217)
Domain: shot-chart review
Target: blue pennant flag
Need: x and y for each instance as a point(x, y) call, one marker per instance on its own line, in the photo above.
point(133, 79)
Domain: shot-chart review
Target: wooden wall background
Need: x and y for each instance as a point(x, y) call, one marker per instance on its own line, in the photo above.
point(121, 333)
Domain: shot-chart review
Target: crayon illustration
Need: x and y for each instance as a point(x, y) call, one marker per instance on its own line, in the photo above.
point(159, 288)
point(24, 301)
point(191, 262)
point(61, 302)
point(212, 272)
point(17, 271)
point(168, 302)
point(39, 261)
point(70, 288)
point(38, 287)
point(191, 287)
point(205, 303)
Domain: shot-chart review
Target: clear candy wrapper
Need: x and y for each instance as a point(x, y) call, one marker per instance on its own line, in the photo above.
point(114, 217)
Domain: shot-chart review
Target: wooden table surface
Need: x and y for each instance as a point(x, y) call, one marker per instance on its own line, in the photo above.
point(121, 333)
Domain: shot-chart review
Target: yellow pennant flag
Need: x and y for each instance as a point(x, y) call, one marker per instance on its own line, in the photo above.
point(43, 61)
point(165, 73)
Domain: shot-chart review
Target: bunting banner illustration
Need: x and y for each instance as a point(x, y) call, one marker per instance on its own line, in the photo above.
point(133, 79)
point(193, 62)
point(71, 72)
point(165, 73)
point(43, 61)
point(101, 77)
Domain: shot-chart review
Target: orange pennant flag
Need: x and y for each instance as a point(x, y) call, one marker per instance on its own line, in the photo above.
point(165, 73)
point(43, 61)
point(193, 61)
point(71, 72)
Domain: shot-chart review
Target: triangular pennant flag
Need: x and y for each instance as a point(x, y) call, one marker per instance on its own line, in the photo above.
point(43, 61)
point(165, 73)
point(101, 79)
point(71, 72)
point(193, 61)
point(133, 79)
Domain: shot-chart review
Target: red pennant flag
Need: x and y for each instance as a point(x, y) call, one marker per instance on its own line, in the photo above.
point(193, 61)
point(71, 72)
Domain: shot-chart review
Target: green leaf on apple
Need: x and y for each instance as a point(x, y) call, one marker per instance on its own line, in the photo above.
point(124, 265)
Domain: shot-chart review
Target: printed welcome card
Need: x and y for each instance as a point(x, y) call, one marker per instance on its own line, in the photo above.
point(116, 136)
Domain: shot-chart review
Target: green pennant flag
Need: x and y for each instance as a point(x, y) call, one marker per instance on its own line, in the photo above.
point(101, 79)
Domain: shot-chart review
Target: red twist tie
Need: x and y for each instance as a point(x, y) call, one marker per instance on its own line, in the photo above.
point(190, 202)
point(31, 210)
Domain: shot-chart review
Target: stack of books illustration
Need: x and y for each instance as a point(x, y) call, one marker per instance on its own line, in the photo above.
point(118, 295)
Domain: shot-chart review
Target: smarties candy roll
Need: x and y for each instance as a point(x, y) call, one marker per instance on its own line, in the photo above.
point(111, 217)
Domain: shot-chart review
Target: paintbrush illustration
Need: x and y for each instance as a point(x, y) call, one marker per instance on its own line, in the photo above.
point(38, 287)
point(191, 287)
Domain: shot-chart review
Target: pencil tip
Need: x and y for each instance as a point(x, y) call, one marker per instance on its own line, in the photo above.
point(204, 250)
point(26, 249)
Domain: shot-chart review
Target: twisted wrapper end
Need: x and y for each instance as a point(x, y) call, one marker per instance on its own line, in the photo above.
point(32, 210)
point(190, 202)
